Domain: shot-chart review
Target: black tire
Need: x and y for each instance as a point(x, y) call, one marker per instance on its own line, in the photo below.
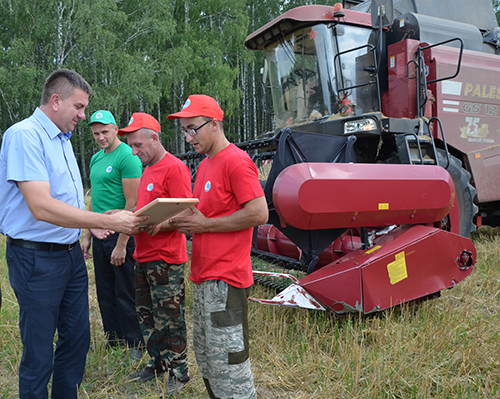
point(465, 191)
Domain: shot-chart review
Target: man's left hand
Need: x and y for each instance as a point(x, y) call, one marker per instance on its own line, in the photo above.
point(196, 223)
point(118, 256)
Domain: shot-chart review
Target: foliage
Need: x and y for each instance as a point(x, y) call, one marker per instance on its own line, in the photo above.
point(496, 6)
point(138, 55)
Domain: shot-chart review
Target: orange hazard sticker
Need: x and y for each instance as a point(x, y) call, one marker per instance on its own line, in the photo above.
point(397, 269)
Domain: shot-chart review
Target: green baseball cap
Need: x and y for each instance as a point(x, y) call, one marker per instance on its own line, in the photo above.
point(104, 117)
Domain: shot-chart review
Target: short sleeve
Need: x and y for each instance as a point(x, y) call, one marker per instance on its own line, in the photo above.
point(179, 181)
point(244, 180)
point(25, 158)
point(131, 167)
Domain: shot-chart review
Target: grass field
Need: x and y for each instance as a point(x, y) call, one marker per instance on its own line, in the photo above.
point(444, 348)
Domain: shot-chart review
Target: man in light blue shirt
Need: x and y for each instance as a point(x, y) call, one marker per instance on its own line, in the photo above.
point(43, 210)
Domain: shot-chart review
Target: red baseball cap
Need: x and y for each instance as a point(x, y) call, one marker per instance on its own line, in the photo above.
point(140, 120)
point(199, 105)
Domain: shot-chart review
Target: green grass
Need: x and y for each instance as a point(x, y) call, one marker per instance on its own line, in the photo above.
point(444, 348)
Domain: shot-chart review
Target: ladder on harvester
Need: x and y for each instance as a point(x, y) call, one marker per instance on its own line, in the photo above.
point(418, 148)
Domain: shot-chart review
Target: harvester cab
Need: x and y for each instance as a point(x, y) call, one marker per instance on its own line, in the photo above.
point(321, 70)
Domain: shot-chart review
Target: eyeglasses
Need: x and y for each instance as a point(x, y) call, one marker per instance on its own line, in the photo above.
point(194, 131)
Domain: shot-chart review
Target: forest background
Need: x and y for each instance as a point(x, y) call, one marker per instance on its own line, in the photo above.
point(139, 56)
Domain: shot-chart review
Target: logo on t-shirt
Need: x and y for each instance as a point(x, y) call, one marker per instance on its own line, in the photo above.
point(208, 185)
point(150, 187)
point(109, 169)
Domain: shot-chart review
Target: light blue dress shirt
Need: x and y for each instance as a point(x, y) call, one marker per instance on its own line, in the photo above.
point(35, 149)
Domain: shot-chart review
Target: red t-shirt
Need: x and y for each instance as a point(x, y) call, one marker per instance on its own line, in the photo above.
point(223, 184)
point(169, 178)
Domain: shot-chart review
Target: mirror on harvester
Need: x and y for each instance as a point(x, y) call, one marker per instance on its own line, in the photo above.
point(382, 12)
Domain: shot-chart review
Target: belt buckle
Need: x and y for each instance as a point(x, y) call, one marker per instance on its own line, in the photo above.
point(71, 246)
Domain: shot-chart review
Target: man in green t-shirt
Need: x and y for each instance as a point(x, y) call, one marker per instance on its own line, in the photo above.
point(115, 174)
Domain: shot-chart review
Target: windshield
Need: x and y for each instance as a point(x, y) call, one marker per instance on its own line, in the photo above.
point(306, 86)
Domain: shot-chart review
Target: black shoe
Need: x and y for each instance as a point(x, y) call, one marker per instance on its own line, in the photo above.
point(174, 384)
point(145, 375)
point(134, 354)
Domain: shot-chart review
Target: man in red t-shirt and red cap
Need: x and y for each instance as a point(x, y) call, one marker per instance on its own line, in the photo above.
point(231, 204)
point(160, 253)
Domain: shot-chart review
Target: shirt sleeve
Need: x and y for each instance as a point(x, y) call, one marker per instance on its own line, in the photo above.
point(26, 160)
point(245, 181)
point(179, 181)
point(131, 167)
point(93, 160)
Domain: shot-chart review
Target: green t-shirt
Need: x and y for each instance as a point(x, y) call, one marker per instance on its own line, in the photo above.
point(106, 174)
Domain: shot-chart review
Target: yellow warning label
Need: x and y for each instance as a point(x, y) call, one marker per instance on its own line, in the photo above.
point(397, 269)
point(383, 206)
point(373, 249)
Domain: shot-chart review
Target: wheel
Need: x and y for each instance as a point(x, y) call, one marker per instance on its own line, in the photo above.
point(465, 194)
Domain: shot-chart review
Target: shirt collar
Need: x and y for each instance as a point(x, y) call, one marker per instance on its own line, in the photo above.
point(49, 126)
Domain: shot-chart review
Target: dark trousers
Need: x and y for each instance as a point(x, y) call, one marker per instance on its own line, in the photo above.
point(52, 290)
point(116, 292)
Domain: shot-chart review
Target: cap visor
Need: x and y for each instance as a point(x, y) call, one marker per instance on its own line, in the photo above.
point(184, 114)
point(125, 130)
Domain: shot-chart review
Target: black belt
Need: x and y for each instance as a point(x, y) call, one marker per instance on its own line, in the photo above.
point(40, 246)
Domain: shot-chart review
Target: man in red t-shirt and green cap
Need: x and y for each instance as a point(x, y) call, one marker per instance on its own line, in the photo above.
point(231, 204)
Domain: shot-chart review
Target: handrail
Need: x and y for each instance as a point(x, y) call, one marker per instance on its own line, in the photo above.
point(375, 74)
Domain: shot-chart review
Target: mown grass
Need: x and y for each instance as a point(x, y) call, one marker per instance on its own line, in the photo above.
point(444, 348)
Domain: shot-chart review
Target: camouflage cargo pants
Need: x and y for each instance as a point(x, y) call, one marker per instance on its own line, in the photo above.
point(220, 337)
point(160, 301)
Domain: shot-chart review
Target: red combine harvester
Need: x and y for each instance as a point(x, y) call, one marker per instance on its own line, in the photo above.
point(386, 151)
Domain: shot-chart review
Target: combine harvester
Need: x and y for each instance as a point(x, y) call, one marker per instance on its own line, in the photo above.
point(364, 188)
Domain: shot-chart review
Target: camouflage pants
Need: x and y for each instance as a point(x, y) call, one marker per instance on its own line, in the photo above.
point(220, 337)
point(160, 301)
